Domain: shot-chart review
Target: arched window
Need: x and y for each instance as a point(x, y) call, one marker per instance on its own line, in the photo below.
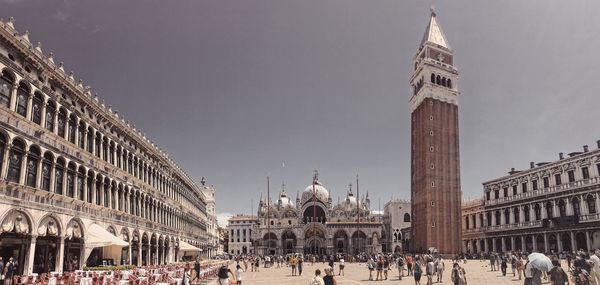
point(90, 181)
point(432, 78)
point(449, 83)
point(105, 149)
point(526, 213)
point(32, 166)
point(538, 212)
point(47, 171)
point(106, 193)
point(98, 144)
point(562, 209)
point(576, 207)
point(111, 151)
point(443, 81)
point(2, 148)
point(591, 203)
point(22, 94)
point(438, 80)
point(50, 112)
point(516, 213)
point(507, 216)
point(36, 108)
point(62, 122)
point(72, 128)
point(6, 83)
point(80, 184)
point(59, 173)
point(71, 180)
point(15, 160)
point(497, 217)
point(549, 210)
point(489, 218)
point(98, 187)
point(406, 217)
point(81, 135)
point(90, 139)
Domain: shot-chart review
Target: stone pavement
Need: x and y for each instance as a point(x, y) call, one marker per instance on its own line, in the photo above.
point(477, 272)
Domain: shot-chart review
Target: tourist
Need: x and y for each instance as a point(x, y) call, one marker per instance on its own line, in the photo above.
point(463, 276)
point(238, 275)
point(293, 263)
point(492, 262)
point(257, 264)
point(557, 275)
point(379, 268)
point(455, 275)
point(196, 270)
point(596, 265)
point(245, 264)
point(569, 258)
point(186, 275)
point(317, 280)
point(520, 266)
point(300, 261)
point(417, 271)
point(1, 271)
point(400, 267)
point(430, 270)
point(331, 264)
point(9, 271)
point(371, 267)
point(440, 267)
point(342, 265)
point(409, 265)
point(386, 267)
point(528, 273)
point(513, 264)
point(503, 266)
point(223, 275)
point(329, 279)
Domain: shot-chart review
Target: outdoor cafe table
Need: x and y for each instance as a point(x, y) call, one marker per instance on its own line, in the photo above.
point(86, 281)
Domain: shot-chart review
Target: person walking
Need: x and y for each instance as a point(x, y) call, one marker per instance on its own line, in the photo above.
point(342, 265)
point(513, 264)
point(300, 262)
point(329, 279)
point(196, 270)
point(257, 264)
point(400, 263)
point(417, 271)
point(430, 270)
point(503, 266)
point(596, 266)
point(520, 266)
point(455, 275)
point(492, 262)
point(293, 263)
point(440, 267)
point(223, 275)
point(238, 275)
point(386, 267)
point(557, 275)
point(409, 265)
point(371, 267)
point(317, 280)
point(9, 271)
point(379, 269)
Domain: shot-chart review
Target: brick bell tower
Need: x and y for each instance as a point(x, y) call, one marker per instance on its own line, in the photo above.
point(435, 174)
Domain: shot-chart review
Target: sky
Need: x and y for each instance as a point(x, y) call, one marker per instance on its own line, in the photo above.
point(235, 91)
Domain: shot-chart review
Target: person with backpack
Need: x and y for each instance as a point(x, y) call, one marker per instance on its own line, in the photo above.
point(440, 267)
point(342, 265)
point(400, 267)
point(557, 275)
point(9, 271)
point(386, 267)
point(430, 270)
point(223, 275)
point(371, 267)
point(329, 279)
point(417, 271)
point(409, 265)
point(455, 275)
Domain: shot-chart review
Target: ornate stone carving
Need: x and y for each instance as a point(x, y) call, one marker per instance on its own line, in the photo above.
point(15, 222)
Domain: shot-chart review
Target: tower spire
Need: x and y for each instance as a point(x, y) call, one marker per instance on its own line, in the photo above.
point(434, 33)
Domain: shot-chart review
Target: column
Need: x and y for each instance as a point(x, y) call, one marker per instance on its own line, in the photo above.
point(139, 260)
point(85, 187)
point(503, 220)
point(532, 212)
point(546, 245)
point(28, 270)
point(521, 214)
point(29, 103)
point(23, 168)
point(534, 242)
point(60, 255)
point(55, 127)
point(503, 245)
point(522, 243)
point(38, 176)
point(52, 177)
point(554, 209)
point(494, 248)
point(129, 262)
point(156, 257)
point(13, 97)
point(544, 210)
point(569, 207)
point(559, 241)
point(588, 242)
point(43, 114)
point(573, 244)
point(512, 243)
point(485, 245)
point(583, 205)
point(76, 130)
point(511, 214)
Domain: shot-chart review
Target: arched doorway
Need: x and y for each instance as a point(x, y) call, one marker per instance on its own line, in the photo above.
point(15, 238)
point(270, 242)
point(135, 248)
point(288, 241)
point(73, 245)
point(161, 250)
point(566, 242)
point(46, 247)
point(539, 244)
point(359, 242)
point(340, 240)
point(315, 241)
point(145, 249)
point(125, 250)
point(153, 247)
point(552, 243)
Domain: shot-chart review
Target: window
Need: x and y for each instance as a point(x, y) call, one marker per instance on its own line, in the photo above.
point(507, 216)
point(36, 109)
point(549, 210)
point(526, 213)
point(524, 187)
point(514, 189)
point(591, 203)
point(497, 217)
point(50, 112)
point(562, 209)
point(576, 207)
point(32, 163)
point(557, 179)
point(6, 83)
point(62, 121)
point(516, 213)
point(505, 190)
point(571, 175)
point(585, 173)
point(538, 212)
point(22, 94)
point(72, 130)
point(406, 217)
point(59, 172)
point(487, 195)
point(546, 182)
point(46, 172)
point(14, 161)
point(496, 194)
point(534, 185)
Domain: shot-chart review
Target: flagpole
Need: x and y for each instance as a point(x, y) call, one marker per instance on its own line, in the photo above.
point(268, 218)
point(358, 215)
point(314, 211)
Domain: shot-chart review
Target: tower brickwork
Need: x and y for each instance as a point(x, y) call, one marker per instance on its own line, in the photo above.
point(435, 163)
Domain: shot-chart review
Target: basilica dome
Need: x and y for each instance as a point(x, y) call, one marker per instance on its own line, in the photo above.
point(285, 201)
point(321, 192)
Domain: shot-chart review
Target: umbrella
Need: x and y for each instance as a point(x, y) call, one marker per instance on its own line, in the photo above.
point(540, 262)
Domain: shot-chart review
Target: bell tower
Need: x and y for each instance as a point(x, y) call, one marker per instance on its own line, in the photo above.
point(435, 174)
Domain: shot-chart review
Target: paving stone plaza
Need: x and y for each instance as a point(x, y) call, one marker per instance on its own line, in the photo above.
point(477, 272)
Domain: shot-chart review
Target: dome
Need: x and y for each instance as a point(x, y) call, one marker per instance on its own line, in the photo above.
point(285, 201)
point(321, 192)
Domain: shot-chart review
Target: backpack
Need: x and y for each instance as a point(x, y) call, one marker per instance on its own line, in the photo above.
point(401, 262)
point(223, 272)
point(418, 269)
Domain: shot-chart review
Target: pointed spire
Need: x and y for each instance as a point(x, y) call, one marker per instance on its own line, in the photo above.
point(434, 33)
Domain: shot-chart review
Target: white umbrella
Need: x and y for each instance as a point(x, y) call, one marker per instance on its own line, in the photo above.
point(540, 262)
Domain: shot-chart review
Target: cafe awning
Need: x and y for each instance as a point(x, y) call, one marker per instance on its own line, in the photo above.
point(99, 237)
point(184, 246)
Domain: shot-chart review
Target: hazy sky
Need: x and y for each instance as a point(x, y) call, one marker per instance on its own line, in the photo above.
point(232, 89)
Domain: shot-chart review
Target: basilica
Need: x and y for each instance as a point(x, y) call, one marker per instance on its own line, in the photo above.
point(315, 225)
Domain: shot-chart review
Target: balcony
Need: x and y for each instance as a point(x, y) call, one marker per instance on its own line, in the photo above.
point(589, 218)
point(507, 227)
point(544, 191)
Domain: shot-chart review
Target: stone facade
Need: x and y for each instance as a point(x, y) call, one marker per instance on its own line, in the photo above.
point(396, 221)
point(70, 168)
point(435, 173)
point(550, 207)
point(212, 234)
point(240, 234)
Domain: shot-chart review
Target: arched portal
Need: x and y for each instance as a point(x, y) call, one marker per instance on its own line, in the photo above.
point(314, 213)
point(315, 241)
point(580, 240)
point(359, 242)
point(566, 242)
point(15, 237)
point(288, 242)
point(270, 243)
point(340, 241)
point(46, 248)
